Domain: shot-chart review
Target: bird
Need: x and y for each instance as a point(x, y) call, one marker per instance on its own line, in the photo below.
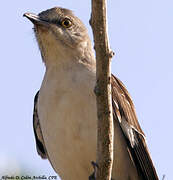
point(65, 112)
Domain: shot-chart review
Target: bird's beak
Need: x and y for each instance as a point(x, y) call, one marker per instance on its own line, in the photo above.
point(36, 20)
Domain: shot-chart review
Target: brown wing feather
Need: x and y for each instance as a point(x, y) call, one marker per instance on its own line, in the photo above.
point(37, 131)
point(123, 108)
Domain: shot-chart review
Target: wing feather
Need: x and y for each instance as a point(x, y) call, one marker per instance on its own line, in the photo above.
point(37, 131)
point(124, 112)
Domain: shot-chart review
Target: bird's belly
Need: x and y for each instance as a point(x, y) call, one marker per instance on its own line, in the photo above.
point(69, 130)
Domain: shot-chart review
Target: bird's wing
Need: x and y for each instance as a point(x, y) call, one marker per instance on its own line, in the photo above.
point(124, 112)
point(37, 131)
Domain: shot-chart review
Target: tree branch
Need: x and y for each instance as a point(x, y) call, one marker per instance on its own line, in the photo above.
point(105, 131)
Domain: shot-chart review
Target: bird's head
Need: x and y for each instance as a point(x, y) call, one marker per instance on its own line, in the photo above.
point(61, 36)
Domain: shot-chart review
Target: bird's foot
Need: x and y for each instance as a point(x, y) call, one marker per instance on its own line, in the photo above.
point(93, 175)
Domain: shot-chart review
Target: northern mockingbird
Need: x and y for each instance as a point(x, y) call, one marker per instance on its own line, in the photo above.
point(65, 106)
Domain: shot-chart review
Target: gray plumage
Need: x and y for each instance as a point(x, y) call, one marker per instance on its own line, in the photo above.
point(65, 107)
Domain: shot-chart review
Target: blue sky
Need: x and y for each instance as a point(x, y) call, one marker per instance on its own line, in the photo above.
point(141, 35)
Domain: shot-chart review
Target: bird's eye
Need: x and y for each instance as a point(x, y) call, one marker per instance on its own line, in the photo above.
point(66, 23)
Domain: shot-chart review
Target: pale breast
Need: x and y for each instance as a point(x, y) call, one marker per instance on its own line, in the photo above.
point(68, 121)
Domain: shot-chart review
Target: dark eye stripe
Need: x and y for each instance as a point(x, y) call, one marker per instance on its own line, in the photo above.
point(56, 21)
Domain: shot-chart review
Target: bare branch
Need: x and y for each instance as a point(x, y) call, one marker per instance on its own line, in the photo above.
point(103, 90)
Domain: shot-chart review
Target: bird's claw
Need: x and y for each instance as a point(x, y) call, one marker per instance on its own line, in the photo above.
point(93, 175)
point(95, 167)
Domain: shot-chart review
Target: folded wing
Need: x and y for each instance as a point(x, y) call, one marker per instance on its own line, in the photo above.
point(37, 131)
point(124, 112)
